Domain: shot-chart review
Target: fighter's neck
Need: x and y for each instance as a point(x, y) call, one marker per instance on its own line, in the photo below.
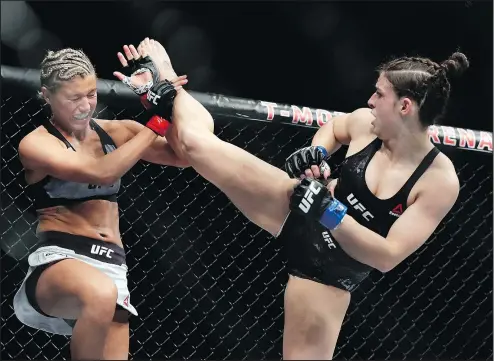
point(78, 135)
point(407, 146)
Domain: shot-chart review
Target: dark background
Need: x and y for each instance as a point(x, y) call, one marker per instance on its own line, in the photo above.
point(319, 54)
point(207, 283)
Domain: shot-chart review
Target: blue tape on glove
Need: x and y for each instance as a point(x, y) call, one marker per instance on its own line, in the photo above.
point(333, 215)
point(323, 150)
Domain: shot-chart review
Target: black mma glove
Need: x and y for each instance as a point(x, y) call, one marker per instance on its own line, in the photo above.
point(160, 98)
point(139, 66)
point(302, 159)
point(160, 104)
point(313, 200)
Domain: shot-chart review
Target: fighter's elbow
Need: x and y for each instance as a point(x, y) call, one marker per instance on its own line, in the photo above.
point(385, 266)
point(388, 261)
point(106, 179)
point(395, 256)
point(100, 174)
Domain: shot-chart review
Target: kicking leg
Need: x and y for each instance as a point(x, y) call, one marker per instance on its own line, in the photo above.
point(259, 190)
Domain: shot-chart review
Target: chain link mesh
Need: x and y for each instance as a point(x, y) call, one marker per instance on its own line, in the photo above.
point(208, 284)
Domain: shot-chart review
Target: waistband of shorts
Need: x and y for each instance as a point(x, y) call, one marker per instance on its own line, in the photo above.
point(94, 248)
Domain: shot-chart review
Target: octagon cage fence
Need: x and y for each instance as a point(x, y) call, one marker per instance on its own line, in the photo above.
point(208, 284)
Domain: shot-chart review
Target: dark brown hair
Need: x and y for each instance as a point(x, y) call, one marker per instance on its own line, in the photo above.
point(425, 82)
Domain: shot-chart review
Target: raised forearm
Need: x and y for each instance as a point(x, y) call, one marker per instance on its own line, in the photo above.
point(325, 137)
point(115, 164)
point(363, 244)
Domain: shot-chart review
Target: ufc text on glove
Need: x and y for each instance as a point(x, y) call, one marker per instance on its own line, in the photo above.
point(160, 99)
point(313, 200)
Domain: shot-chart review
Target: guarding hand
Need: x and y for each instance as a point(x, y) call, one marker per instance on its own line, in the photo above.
point(160, 99)
point(308, 162)
point(139, 72)
point(313, 200)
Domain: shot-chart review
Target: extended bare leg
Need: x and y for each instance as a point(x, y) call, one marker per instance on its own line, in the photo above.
point(259, 190)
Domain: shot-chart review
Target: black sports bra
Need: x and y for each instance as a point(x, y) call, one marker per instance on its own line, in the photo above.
point(370, 211)
point(51, 191)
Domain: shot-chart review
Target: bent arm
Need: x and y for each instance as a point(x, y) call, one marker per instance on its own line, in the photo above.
point(159, 152)
point(406, 235)
point(43, 152)
point(326, 137)
point(341, 130)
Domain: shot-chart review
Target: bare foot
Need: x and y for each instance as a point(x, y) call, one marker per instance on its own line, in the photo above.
point(159, 56)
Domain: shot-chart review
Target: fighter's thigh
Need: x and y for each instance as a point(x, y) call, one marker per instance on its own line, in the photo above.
point(64, 288)
point(258, 189)
point(117, 344)
point(314, 315)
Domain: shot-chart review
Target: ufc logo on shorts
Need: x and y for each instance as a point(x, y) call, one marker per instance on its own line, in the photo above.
point(307, 200)
point(328, 240)
point(348, 284)
point(153, 98)
point(101, 250)
point(359, 207)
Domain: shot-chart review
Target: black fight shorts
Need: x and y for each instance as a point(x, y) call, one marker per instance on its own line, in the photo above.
point(312, 253)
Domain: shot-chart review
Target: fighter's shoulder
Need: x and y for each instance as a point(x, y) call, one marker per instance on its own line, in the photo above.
point(443, 166)
point(359, 122)
point(39, 134)
point(362, 114)
point(441, 178)
point(37, 147)
point(352, 126)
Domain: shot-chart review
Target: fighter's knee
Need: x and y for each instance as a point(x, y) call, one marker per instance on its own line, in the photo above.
point(313, 341)
point(99, 301)
point(309, 351)
point(313, 332)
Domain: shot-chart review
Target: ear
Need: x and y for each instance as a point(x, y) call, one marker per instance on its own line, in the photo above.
point(406, 106)
point(46, 94)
